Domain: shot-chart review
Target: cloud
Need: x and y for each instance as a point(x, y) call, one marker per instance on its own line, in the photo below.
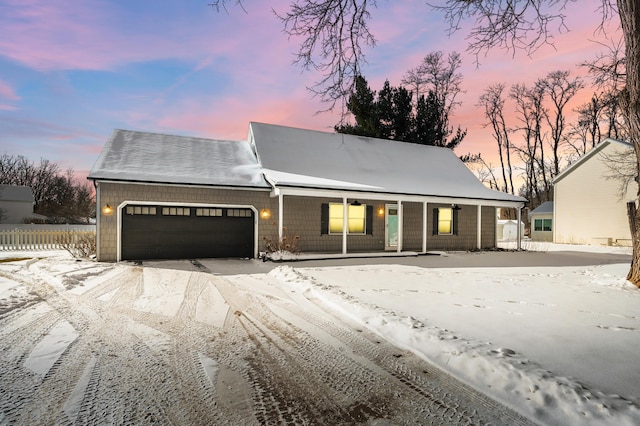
point(98, 35)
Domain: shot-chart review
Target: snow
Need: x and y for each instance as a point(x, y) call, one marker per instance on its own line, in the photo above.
point(311, 157)
point(153, 157)
point(558, 344)
point(49, 349)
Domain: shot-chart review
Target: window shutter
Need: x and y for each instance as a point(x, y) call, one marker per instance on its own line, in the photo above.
point(455, 221)
point(369, 220)
point(435, 222)
point(324, 219)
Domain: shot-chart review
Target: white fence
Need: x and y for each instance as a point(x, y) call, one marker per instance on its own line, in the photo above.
point(39, 237)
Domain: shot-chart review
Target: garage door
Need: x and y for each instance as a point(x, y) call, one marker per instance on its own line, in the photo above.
point(174, 232)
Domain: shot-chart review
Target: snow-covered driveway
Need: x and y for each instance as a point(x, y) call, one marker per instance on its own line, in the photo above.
point(90, 343)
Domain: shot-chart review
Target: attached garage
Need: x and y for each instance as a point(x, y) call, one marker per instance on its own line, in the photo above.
point(186, 232)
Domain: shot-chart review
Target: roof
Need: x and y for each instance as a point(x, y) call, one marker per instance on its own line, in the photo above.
point(159, 158)
point(16, 193)
point(288, 157)
point(598, 148)
point(544, 208)
point(311, 159)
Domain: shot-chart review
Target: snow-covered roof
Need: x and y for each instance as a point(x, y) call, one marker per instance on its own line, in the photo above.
point(159, 158)
point(602, 145)
point(311, 159)
point(544, 208)
point(16, 193)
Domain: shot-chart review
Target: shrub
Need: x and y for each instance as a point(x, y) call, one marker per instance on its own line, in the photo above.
point(289, 244)
point(79, 244)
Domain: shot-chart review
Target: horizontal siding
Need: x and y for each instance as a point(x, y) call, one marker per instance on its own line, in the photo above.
point(587, 206)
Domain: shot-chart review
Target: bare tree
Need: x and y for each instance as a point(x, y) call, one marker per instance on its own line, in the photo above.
point(559, 89)
point(530, 113)
point(492, 102)
point(333, 33)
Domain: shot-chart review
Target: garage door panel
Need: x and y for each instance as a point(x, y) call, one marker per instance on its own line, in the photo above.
point(166, 236)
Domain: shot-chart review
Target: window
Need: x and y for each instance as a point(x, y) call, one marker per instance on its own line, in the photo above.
point(208, 212)
point(542, 225)
point(176, 211)
point(356, 218)
point(141, 210)
point(445, 221)
point(238, 213)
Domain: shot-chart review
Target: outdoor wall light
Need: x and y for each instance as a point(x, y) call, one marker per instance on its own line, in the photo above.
point(381, 211)
point(107, 209)
point(265, 213)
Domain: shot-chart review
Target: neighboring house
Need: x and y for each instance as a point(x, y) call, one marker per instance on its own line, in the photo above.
point(541, 219)
point(164, 196)
point(589, 206)
point(16, 204)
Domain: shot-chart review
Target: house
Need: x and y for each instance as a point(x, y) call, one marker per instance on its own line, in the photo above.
point(16, 204)
point(590, 202)
point(541, 219)
point(166, 196)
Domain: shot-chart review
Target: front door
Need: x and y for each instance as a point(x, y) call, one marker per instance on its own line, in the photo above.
point(391, 227)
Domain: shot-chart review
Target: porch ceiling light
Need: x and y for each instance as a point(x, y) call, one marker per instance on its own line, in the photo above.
point(356, 203)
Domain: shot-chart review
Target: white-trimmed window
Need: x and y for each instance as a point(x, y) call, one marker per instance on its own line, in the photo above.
point(543, 225)
point(356, 218)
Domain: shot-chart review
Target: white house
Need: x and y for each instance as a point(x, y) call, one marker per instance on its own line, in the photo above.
point(589, 205)
point(16, 204)
point(541, 219)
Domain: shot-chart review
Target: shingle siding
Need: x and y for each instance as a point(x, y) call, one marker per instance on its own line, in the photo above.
point(115, 194)
point(301, 217)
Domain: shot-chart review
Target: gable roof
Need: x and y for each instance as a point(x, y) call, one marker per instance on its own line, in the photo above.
point(597, 149)
point(16, 193)
point(544, 208)
point(312, 159)
point(159, 158)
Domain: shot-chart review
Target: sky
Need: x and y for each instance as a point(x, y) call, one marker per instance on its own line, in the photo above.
point(71, 71)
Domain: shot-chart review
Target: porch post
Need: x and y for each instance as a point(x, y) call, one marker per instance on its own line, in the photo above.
point(345, 211)
point(400, 225)
point(479, 228)
point(280, 216)
point(424, 227)
point(519, 229)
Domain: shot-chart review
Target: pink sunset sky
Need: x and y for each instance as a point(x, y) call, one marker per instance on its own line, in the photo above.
point(73, 70)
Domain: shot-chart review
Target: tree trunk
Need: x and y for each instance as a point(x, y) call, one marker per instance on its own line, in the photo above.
point(630, 20)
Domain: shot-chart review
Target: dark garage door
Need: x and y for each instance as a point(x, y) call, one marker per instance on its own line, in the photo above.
point(173, 232)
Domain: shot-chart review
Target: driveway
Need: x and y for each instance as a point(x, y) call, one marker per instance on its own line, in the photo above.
point(174, 343)
point(447, 260)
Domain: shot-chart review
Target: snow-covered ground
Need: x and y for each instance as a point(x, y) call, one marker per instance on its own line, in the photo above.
point(557, 344)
